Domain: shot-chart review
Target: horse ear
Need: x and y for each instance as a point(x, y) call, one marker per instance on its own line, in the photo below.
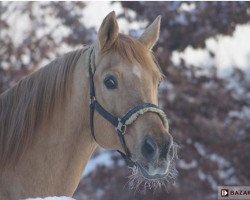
point(108, 31)
point(151, 34)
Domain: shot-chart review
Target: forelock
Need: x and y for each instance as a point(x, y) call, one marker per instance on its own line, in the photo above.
point(134, 52)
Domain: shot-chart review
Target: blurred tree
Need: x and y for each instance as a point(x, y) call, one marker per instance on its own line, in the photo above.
point(42, 28)
point(189, 23)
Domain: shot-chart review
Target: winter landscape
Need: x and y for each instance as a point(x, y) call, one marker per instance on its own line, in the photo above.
point(204, 53)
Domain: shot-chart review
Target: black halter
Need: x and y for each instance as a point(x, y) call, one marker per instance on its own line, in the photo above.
point(120, 124)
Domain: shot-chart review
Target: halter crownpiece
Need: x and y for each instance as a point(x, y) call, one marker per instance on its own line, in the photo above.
point(120, 124)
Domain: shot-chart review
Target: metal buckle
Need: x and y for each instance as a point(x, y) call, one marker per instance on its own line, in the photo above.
point(121, 127)
point(92, 100)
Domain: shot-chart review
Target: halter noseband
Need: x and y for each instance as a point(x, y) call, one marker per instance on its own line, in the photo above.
point(120, 124)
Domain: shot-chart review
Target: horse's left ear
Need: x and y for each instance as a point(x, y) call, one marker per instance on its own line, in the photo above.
point(151, 34)
point(108, 31)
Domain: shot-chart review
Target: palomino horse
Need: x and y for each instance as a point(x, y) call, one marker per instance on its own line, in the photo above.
point(47, 136)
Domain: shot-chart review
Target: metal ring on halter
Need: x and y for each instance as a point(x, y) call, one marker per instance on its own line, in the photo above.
point(92, 100)
point(121, 127)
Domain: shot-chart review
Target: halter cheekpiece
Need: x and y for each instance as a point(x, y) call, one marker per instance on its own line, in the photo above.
point(120, 124)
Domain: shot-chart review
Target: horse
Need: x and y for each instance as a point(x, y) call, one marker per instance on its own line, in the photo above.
point(103, 94)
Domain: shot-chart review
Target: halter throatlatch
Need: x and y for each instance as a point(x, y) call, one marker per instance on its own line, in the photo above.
point(120, 124)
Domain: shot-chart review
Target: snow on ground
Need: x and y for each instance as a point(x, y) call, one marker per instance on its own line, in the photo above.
point(104, 158)
point(182, 164)
point(17, 30)
point(93, 14)
point(51, 198)
point(225, 169)
point(230, 51)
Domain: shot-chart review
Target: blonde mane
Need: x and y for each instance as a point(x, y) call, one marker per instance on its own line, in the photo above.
point(25, 106)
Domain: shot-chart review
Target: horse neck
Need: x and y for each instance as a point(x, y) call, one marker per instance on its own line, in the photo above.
point(71, 130)
point(61, 148)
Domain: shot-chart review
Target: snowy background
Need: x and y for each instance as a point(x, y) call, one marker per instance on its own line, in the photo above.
point(204, 51)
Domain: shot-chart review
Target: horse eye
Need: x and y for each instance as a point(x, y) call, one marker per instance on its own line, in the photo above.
point(110, 82)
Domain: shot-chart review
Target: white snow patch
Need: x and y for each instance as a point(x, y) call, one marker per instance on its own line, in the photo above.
point(200, 149)
point(102, 159)
point(206, 177)
point(202, 176)
point(181, 19)
point(51, 198)
point(219, 160)
point(187, 7)
point(13, 17)
point(100, 193)
point(242, 114)
point(195, 57)
point(213, 183)
point(166, 85)
point(233, 180)
point(225, 169)
point(96, 11)
point(185, 165)
point(225, 174)
point(222, 162)
point(169, 87)
point(230, 51)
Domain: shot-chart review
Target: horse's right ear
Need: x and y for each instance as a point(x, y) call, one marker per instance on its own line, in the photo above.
point(108, 31)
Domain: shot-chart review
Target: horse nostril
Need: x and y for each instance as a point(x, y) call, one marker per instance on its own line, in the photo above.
point(167, 148)
point(149, 148)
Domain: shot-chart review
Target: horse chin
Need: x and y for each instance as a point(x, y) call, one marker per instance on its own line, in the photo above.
point(148, 176)
point(140, 179)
